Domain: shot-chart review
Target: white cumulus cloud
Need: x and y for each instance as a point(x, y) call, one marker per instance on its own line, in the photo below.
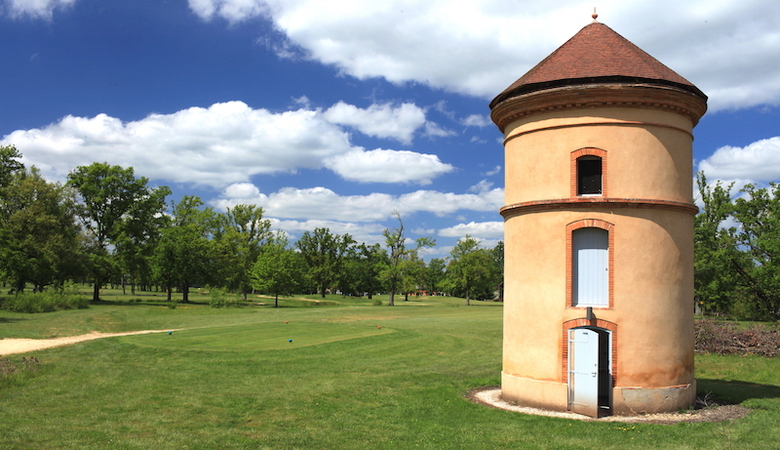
point(494, 230)
point(217, 146)
point(477, 120)
point(379, 120)
point(370, 233)
point(320, 203)
point(37, 9)
point(727, 48)
point(758, 161)
point(387, 166)
point(231, 10)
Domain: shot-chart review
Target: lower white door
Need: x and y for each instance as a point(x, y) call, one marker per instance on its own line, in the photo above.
point(584, 372)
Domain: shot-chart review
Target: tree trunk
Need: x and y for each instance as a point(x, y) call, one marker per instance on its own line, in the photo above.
point(276, 301)
point(96, 291)
point(170, 292)
point(185, 293)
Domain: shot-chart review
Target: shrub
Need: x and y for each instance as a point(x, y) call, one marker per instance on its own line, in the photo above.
point(51, 300)
point(219, 298)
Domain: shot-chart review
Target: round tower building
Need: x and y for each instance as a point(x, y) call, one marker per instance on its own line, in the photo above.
point(598, 313)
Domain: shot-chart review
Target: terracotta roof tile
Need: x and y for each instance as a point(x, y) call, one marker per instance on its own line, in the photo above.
point(595, 53)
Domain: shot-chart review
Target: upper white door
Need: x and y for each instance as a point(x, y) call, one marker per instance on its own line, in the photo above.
point(590, 267)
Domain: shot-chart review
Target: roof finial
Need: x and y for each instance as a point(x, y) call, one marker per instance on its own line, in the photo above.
point(594, 15)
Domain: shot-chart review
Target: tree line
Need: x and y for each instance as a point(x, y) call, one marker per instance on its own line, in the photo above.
point(737, 250)
point(106, 225)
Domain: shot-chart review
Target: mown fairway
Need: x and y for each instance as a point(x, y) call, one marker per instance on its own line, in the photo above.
point(230, 379)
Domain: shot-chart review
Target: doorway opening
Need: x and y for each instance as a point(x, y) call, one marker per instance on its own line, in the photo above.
point(590, 373)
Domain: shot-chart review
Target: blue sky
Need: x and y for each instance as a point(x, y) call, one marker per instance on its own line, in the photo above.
point(335, 114)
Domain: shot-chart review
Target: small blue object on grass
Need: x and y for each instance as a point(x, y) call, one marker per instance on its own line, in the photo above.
point(289, 340)
point(170, 332)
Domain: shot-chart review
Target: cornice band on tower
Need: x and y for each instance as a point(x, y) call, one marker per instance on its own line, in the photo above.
point(580, 96)
point(596, 203)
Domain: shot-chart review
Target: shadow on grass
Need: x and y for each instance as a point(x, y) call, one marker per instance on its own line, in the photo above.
point(735, 392)
point(145, 302)
point(10, 320)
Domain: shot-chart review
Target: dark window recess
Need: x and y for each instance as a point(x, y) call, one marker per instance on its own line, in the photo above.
point(589, 176)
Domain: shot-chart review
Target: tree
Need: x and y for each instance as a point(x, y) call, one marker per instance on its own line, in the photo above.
point(39, 238)
point(758, 213)
point(324, 255)
point(497, 255)
point(278, 269)
point(395, 240)
point(110, 197)
point(9, 164)
point(716, 257)
point(471, 270)
point(413, 269)
point(139, 233)
point(184, 254)
point(240, 235)
point(434, 274)
point(367, 268)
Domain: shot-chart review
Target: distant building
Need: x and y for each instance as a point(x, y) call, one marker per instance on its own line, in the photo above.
point(598, 313)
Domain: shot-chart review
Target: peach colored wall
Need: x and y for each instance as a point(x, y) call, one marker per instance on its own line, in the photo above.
point(537, 155)
point(649, 157)
point(653, 294)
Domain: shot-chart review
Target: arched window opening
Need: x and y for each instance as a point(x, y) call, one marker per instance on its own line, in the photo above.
point(589, 175)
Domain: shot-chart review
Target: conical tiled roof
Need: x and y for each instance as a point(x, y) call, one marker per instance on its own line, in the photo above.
point(596, 54)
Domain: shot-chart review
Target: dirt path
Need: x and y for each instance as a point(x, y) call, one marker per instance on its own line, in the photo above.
point(11, 346)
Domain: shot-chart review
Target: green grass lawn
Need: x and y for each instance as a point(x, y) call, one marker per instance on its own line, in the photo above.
point(231, 379)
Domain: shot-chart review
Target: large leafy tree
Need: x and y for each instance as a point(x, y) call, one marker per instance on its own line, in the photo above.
point(110, 198)
point(139, 233)
point(471, 271)
point(398, 265)
point(413, 274)
point(737, 250)
point(240, 235)
point(364, 269)
point(758, 236)
point(184, 254)
point(324, 254)
point(278, 269)
point(716, 256)
point(39, 238)
point(434, 274)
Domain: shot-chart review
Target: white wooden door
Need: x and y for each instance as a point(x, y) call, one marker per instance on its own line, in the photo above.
point(584, 372)
point(590, 267)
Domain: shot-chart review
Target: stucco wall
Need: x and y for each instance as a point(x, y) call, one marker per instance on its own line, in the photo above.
point(648, 152)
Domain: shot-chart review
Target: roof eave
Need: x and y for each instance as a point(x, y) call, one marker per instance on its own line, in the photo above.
point(610, 80)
